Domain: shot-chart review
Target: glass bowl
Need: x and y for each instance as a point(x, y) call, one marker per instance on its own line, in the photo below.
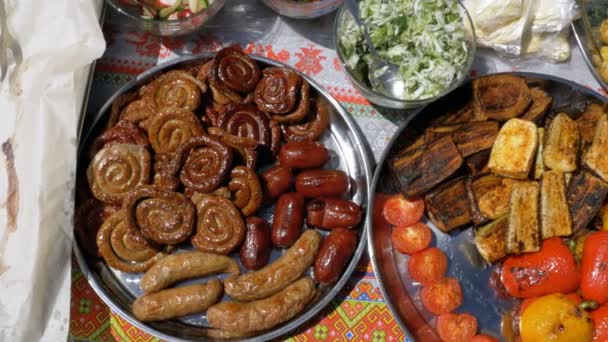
point(392, 102)
point(303, 9)
point(176, 27)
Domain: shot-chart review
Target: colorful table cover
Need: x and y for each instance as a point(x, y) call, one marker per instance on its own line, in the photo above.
point(358, 312)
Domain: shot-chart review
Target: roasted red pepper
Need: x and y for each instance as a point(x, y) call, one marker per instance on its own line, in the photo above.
point(600, 324)
point(594, 267)
point(550, 270)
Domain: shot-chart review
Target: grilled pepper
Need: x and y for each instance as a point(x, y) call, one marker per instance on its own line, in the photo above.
point(550, 270)
point(594, 267)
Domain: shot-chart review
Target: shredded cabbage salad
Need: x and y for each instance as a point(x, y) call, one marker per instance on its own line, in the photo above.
point(425, 38)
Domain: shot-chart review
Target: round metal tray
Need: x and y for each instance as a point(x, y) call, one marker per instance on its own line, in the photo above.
point(399, 291)
point(348, 151)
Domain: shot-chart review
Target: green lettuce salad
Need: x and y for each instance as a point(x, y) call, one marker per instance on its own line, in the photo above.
point(425, 38)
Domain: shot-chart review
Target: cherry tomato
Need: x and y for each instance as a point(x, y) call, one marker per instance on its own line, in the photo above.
point(400, 211)
point(456, 327)
point(551, 270)
point(442, 297)
point(411, 239)
point(600, 324)
point(428, 266)
point(483, 338)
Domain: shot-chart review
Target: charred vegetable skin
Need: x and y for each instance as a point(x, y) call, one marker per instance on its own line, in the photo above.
point(585, 196)
point(550, 270)
point(448, 205)
point(594, 267)
point(500, 97)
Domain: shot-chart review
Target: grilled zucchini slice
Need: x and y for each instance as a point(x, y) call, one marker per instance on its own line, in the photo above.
point(585, 195)
point(596, 158)
point(561, 144)
point(448, 205)
point(514, 149)
point(489, 197)
point(554, 212)
point(420, 170)
point(491, 239)
point(500, 97)
point(539, 166)
point(523, 235)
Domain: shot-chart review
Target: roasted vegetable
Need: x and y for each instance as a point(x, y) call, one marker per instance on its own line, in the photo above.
point(524, 232)
point(596, 158)
point(491, 239)
point(500, 97)
point(552, 269)
point(539, 165)
point(489, 197)
point(461, 116)
point(600, 324)
point(420, 170)
point(513, 151)
point(585, 195)
point(561, 144)
point(594, 268)
point(555, 318)
point(541, 102)
point(478, 163)
point(448, 206)
point(587, 121)
point(435, 132)
point(554, 212)
point(475, 136)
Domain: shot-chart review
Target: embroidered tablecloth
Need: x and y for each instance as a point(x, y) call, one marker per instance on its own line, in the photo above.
point(358, 312)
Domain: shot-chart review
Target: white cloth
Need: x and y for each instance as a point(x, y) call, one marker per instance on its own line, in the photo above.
point(40, 102)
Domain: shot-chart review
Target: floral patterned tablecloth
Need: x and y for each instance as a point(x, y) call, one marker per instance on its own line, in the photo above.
point(358, 312)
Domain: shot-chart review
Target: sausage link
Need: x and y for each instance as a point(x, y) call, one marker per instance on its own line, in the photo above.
point(322, 183)
point(255, 252)
point(330, 213)
point(176, 302)
point(288, 219)
point(265, 313)
point(336, 250)
point(277, 275)
point(277, 180)
point(303, 155)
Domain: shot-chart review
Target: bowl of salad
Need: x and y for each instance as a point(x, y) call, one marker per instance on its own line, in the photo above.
point(168, 17)
point(303, 9)
point(432, 42)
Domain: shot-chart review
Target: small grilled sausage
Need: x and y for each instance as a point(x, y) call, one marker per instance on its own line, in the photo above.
point(265, 313)
point(176, 302)
point(288, 219)
point(336, 250)
point(255, 252)
point(330, 213)
point(303, 155)
point(277, 180)
point(322, 183)
point(277, 275)
point(186, 265)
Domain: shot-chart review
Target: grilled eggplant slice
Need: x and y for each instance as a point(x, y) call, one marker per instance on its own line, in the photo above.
point(596, 158)
point(554, 212)
point(448, 206)
point(539, 165)
point(478, 163)
point(513, 151)
point(586, 193)
point(461, 116)
point(475, 136)
point(500, 97)
point(433, 133)
point(587, 122)
point(541, 102)
point(420, 170)
point(489, 197)
point(523, 235)
point(491, 239)
point(561, 144)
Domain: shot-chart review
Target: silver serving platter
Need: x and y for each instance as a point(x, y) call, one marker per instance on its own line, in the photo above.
point(586, 33)
point(348, 151)
point(480, 298)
